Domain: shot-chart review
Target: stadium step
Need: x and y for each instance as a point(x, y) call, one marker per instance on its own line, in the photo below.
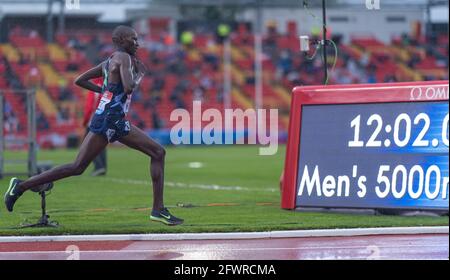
point(10, 52)
point(194, 54)
point(45, 103)
point(238, 75)
point(236, 54)
point(355, 52)
point(240, 99)
point(283, 94)
point(215, 49)
point(56, 53)
point(410, 73)
point(439, 73)
point(398, 53)
point(402, 54)
point(249, 51)
point(51, 77)
point(33, 53)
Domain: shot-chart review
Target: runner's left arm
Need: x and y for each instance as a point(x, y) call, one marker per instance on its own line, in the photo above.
point(84, 79)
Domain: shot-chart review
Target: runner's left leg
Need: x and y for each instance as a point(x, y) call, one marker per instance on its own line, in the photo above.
point(138, 140)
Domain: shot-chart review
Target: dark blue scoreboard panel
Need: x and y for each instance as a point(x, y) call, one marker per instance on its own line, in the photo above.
point(375, 155)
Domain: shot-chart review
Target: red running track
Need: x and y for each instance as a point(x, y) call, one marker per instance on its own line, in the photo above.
point(417, 246)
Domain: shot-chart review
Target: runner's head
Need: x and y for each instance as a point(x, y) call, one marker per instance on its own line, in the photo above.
point(125, 39)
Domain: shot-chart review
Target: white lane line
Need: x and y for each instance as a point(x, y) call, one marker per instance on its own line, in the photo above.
point(235, 235)
point(176, 250)
point(188, 185)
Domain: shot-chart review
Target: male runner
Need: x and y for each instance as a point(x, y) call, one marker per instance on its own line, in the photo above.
point(122, 72)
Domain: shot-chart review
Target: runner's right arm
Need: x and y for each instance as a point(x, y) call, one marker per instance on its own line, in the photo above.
point(126, 74)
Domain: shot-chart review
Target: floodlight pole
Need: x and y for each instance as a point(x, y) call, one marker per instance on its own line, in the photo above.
point(227, 74)
point(258, 57)
point(1, 135)
point(324, 42)
point(62, 17)
point(49, 21)
point(32, 145)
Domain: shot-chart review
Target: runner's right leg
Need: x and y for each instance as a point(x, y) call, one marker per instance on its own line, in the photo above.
point(92, 145)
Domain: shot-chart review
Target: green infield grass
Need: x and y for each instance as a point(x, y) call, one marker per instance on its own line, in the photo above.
point(215, 189)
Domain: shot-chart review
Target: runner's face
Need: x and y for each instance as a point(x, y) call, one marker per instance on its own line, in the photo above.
point(130, 43)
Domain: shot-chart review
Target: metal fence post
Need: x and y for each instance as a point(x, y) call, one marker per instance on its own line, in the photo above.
point(2, 147)
point(32, 145)
point(31, 162)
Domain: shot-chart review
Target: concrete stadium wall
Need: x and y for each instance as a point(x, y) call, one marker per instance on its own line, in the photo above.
point(355, 19)
point(358, 20)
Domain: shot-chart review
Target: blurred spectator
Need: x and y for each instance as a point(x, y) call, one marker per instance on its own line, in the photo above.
point(3, 60)
point(178, 92)
point(179, 103)
point(154, 58)
point(312, 67)
point(7, 109)
point(249, 78)
point(175, 64)
point(429, 78)
point(33, 34)
point(389, 78)
point(13, 82)
point(106, 50)
point(294, 78)
point(137, 120)
point(371, 77)
point(341, 76)
point(72, 66)
point(198, 93)
point(23, 59)
point(284, 64)
point(405, 39)
point(137, 95)
point(65, 93)
point(92, 50)
point(74, 43)
point(16, 30)
point(41, 120)
point(33, 78)
point(156, 97)
point(11, 122)
point(156, 120)
point(365, 59)
point(168, 39)
point(158, 83)
point(180, 89)
point(352, 67)
point(219, 92)
point(63, 115)
point(212, 59)
point(270, 41)
point(206, 82)
point(414, 59)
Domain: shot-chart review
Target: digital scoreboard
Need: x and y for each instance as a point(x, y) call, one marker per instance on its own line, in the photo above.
point(382, 146)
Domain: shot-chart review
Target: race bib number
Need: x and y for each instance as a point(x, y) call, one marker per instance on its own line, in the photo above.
point(126, 107)
point(106, 99)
